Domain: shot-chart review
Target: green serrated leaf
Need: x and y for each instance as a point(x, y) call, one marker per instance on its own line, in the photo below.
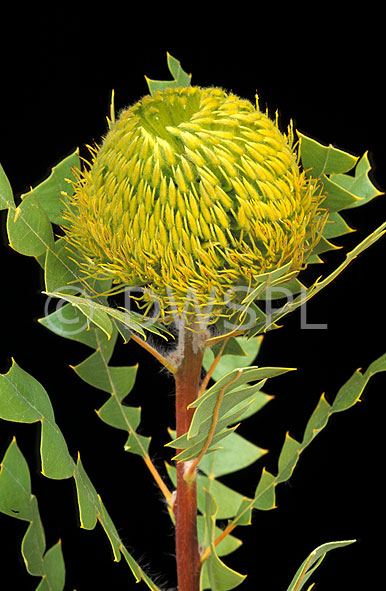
point(54, 570)
point(376, 366)
point(6, 194)
point(17, 501)
point(266, 281)
point(15, 484)
point(134, 567)
point(69, 322)
point(219, 576)
point(95, 369)
point(227, 499)
point(265, 497)
point(60, 269)
point(228, 545)
point(138, 444)
point(23, 399)
point(235, 454)
point(244, 512)
point(288, 458)
point(56, 461)
point(335, 226)
point(359, 184)
point(180, 78)
point(324, 246)
point(194, 447)
point(241, 352)
point(93, 510)
point(240, 375)
point(284, 290)
point(253, 404)
point(34, 542)
point(118, 381)
point(100, 314)
point(29, 229)
point(312, 561)
point(324, 159)
point(120, 416)
point(230, 385)
point(96, 313)
point(266, 324)
point(110, 530)
point(88, 500)
point(52, 193)
point(233, 346)
point(218, 408)
point(317, 421)
point(338, 197)
point(348, 395)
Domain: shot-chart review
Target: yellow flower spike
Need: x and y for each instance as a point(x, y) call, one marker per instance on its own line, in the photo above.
point(193, 191)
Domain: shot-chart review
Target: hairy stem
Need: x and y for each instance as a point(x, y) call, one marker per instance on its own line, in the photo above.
point(187, 380)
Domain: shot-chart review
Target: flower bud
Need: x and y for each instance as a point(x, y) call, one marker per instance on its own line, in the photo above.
point(193, 192)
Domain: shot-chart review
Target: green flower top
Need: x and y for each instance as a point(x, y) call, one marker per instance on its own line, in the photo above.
point(194, 192)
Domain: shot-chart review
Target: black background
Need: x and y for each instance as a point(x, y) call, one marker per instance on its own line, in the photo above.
point(56, 79)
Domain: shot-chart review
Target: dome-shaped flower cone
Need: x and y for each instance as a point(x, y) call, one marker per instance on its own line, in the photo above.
point(194, 192)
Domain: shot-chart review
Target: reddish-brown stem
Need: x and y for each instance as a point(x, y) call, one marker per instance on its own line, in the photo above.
point(187, 379)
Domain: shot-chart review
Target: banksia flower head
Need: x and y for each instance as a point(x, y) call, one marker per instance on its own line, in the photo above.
point(194, 192)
